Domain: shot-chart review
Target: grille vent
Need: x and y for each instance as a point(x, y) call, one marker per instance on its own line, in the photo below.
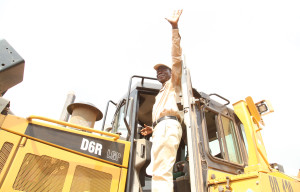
point(4, 153)
point(41, 173)
point(86, 179)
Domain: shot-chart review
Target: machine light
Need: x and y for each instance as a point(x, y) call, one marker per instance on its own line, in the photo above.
point(264, 107)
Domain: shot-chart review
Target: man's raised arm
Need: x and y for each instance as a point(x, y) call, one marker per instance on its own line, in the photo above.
point(176, 50)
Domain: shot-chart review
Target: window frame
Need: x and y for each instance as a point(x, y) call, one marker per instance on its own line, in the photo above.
point(218, 163)
point(219, 134)
point(236, 137)
point(118, 120)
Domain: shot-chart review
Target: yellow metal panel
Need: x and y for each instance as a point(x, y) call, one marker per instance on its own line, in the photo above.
point(13, 130)
point(126, 153)
point(18, 126)
point(221, 177)
point(252, 108)
point(82, 128)
point(41, 173)
point(15, 124)
point(240, 108)
point(11, 138)
point(40, 149)
point(5, 152)
point(123, 178)
point(216, 174)
point(257, 159)
point(86, 179)
point(2, 118)
point(277, 181)
point(243, 182)
point(254, 182)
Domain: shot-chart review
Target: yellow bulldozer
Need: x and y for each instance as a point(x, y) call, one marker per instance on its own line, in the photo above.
point(222, 149)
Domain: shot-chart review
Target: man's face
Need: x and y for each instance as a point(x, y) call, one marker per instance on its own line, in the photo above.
point(163, 74)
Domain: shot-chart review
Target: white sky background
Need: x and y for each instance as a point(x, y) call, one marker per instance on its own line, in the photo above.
point(233, 48)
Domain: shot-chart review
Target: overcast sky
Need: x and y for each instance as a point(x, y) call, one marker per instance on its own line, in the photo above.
point(233, 48)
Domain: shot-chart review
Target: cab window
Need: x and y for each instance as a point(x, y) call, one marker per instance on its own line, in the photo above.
point(214, 139)
point(222, 137)
point(232, 146)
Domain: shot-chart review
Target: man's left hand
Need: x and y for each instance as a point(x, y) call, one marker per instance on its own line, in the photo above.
point(147, 130)
point(173, 20)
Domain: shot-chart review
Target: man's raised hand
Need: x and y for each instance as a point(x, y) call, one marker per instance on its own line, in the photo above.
point(173, 20)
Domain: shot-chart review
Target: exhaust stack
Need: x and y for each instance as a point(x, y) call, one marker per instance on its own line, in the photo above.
point(84, 114)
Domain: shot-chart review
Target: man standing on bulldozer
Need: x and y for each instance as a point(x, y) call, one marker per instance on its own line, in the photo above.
point(166, 117)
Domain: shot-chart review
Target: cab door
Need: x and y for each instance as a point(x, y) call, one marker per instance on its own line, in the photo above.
point(197, 163)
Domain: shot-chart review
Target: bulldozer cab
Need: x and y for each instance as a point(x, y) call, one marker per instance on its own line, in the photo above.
point(221, 148)
point(132, 112)
point(212, 133)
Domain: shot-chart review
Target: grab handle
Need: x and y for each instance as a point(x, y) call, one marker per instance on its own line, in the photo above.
point(228, 102)
point(115, 136)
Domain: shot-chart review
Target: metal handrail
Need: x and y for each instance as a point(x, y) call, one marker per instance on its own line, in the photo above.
point(104, 118)
point(115, 136)
point(228, 102)
point(129, 88)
